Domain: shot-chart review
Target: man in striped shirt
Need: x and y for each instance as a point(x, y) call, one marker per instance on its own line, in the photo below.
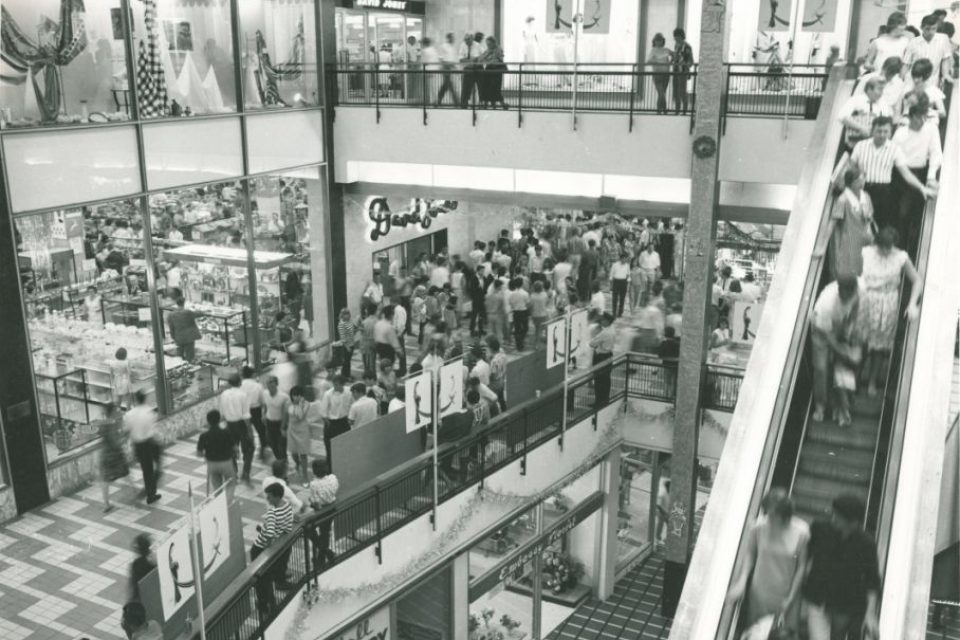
point(877, 158)
point(277, 521)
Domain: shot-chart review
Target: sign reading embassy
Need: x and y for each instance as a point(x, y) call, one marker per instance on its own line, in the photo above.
point(420, 212)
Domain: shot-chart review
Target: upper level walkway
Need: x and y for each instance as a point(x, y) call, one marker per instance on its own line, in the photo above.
point(591, 137)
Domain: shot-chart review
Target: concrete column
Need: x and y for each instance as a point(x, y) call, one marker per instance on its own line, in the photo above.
point(460, 595)
point(698, 266)
point(333, 194)
point(606, 566)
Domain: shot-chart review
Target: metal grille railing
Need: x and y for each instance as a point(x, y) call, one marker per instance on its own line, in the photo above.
point(624, 88)
point(362, 521)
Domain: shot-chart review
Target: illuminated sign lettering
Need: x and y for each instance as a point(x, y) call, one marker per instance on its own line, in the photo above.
point(396, 5)
point(421, 212)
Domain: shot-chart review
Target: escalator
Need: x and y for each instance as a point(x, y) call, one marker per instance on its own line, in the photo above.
point(816, 460)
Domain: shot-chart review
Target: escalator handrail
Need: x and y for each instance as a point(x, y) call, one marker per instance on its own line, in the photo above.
point(901, 405)
point(761, 407)
point(915, 496)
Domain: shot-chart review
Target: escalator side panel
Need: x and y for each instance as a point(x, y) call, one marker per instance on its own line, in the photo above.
point(752, 440)
point(914, 500)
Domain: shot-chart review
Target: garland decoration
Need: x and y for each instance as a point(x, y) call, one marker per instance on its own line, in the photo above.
point(314, 595)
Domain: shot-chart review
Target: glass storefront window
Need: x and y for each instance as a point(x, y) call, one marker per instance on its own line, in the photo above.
point(199, 240)
point(279, 56)
point(78, 269)
point(635, 522)
point(487, 553)
point(185, 53)
point(63, 63)
point(558, 505)
point(504, 609)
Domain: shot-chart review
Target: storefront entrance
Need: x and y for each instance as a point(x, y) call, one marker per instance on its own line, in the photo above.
point(377, 36)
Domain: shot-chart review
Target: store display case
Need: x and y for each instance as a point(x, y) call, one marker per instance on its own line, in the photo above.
point(64, 407)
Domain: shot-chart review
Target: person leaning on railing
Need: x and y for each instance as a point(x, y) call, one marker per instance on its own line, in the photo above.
point(277, 522)
point(323, 492)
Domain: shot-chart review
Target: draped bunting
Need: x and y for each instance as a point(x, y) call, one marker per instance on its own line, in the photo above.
point(151, 81)
point(268, 75)
point(57, 45)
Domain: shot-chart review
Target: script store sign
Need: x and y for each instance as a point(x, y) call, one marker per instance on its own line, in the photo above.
point(420, 213)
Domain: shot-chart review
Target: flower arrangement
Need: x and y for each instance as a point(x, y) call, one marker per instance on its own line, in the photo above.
point(483, 626)
point(560, 571)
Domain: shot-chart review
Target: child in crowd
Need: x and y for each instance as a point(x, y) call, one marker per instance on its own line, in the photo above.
point(375, 391)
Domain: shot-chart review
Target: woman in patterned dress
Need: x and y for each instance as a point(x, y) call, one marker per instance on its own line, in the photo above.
point(853, 216)
point(113, 458)
point(883, 267)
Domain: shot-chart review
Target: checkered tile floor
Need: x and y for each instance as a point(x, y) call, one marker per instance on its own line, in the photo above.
point(64, 567)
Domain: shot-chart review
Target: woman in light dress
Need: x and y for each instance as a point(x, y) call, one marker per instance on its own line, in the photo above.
point(853, 225)
point(892, 43)
point(772, 571)
point(884, 266)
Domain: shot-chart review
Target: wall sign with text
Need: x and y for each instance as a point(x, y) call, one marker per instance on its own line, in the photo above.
point(420, 213)
point(406, 6)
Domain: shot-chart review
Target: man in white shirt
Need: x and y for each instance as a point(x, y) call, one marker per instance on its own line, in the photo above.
point(364, 408)
point(893, 87)
point(860, 110)
point(920, 143)
point(400, 326)
point(935, 47)
point(834, 315)
point(396, 402)
point(481, 369)
point(476, 256)
point(440, 275)
point(334, 409)
point(649, 263)
point(374, 291)
point(278, 475)
point(235, 409)
point(536, 263)
point(254, 391)
point(140, 423)
point(470, 51)
point(619, 279)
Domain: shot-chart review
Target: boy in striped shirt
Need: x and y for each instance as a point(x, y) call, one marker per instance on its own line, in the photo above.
point(277, 521)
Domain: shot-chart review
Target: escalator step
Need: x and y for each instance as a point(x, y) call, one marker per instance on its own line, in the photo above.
point(831, 468)
point(854, 437)
point(838, 454)
point(819, 491)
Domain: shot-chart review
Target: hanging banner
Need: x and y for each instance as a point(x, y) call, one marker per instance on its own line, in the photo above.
point(556, 342)
point(775, 15)
point(596, 16)
point(451, 388)
point(418, 401)
point(820, 15)
point(175, 570)
point(214, 524)
point(579, 330)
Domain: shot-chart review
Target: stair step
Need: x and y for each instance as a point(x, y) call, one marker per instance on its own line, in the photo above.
point(866, 407)
point(856, 458)
point(833, 468)
point(824, 491)
point(853, 437)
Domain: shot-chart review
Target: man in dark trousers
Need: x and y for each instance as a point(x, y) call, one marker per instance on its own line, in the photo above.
point(184, 331)
point(842, 587)
point(588, 269)
point(140, 422)
point(235, 409)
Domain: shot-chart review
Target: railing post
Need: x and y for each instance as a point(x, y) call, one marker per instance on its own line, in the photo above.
point(474, 91)
point(523, 459)
point(626, 378)
point(423, 92)
point(379, 548)
point(520, 97)
point(634, 71)
point(692, 99)
point(725, 102)
point(376, 90)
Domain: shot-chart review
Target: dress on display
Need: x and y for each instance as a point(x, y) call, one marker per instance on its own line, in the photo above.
point(776, 563)
point(880, 300)
point(854, 215)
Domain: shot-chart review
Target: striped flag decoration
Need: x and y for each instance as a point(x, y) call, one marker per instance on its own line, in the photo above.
point(151, 82)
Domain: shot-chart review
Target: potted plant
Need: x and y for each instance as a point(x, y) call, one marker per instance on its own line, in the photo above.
point(560, 572)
